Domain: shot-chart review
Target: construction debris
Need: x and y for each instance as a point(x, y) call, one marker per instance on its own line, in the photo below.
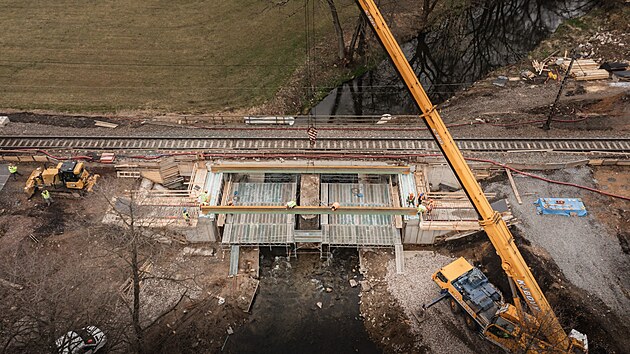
point(500, 81)
point(9, 284)
point(100, 123)
point(107, 157)
point(191, 251)
point(145, 269)
point(518, 196)
point(538, 66)
point(614, 66)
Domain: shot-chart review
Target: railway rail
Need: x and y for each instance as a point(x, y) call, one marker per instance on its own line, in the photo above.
point(278, 144)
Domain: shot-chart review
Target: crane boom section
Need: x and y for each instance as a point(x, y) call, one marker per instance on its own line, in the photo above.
point(496, 229)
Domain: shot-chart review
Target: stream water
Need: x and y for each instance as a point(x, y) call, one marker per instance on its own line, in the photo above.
point(454, 54)
point(286, 318)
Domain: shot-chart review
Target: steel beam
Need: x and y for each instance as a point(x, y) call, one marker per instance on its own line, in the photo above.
point(332, 169)
point(276, 209)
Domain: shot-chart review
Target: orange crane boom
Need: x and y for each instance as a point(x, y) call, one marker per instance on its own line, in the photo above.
point(496, 229)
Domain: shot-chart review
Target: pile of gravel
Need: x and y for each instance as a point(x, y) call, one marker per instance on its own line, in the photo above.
point(586, 251)
point(437, 327)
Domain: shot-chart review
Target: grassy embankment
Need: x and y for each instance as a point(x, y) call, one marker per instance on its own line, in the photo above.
point(163, 56)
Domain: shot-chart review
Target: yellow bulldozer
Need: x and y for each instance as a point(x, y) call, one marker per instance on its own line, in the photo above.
point(69, 175)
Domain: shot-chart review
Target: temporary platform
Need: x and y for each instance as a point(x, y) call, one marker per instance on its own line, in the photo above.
point(260, 229)
point(358, 230)
point(247, 205)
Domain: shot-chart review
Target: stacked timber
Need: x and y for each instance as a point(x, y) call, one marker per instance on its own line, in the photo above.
point(169, 173)
point(164, 172)
point(585, 70)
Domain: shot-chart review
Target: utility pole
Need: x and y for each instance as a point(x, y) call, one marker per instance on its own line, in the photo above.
point(547, 124)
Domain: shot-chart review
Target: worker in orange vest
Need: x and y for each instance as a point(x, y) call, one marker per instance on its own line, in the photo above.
point(411, 200)
point(430, 206)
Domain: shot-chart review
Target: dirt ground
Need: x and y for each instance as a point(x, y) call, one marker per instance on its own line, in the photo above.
point(72, 272)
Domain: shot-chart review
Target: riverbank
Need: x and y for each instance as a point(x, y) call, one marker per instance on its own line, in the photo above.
point(521, 105)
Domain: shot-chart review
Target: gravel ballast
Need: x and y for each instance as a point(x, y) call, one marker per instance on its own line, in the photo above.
point(587, 252)
point(437, 327)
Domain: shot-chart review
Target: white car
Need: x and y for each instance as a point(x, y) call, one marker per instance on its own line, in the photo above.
point(88, 340)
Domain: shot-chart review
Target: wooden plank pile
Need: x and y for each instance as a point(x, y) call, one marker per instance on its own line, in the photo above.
point(585, 70)
point(144, 270)
point(169, 173)
point(164, 172)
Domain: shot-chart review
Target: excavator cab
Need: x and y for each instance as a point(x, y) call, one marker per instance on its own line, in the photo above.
point(72, 174)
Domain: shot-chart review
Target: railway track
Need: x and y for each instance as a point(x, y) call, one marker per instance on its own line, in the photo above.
point(302, 144)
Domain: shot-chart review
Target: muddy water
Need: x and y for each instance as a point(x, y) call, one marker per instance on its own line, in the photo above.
point(454, 54)
point(286, 318)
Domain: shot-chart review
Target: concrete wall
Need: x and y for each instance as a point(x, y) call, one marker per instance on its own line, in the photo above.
point(205, 231)
point(437, 174)
point(414, 234)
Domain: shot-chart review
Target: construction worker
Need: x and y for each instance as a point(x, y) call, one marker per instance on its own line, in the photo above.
point(422, 209)
point(46, 196)
point(291, 204)
point(13, 171)
point(334, 206)
point(411, 200)
point(430, 206)
point(203, 198)
point(186, 216)
point(422, 197)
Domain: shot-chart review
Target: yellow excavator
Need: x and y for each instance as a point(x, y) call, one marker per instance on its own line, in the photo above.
point(69, 175)
point(467, 288)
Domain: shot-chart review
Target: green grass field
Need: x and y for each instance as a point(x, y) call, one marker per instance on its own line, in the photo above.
point(168, 56)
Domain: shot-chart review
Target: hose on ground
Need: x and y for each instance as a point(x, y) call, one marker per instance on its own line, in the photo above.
point(319, 156)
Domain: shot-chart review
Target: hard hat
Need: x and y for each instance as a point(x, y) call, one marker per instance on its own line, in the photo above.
point(185, 209)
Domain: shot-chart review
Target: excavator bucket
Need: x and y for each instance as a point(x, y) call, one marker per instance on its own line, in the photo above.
point(33, 181)
point(91, 181)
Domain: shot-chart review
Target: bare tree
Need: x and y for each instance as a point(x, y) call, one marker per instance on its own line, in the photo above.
point(427, 8)
point(54, 293)
point(357, 43)
point(341, 44)
point(139, 227)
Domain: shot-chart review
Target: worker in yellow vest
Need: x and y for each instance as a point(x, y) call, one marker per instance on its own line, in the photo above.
point(203, 198)
point(186, 216)
point(47, 197)
point(13, 171)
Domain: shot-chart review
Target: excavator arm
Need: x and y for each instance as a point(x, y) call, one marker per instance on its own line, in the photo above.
point(496, 229)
